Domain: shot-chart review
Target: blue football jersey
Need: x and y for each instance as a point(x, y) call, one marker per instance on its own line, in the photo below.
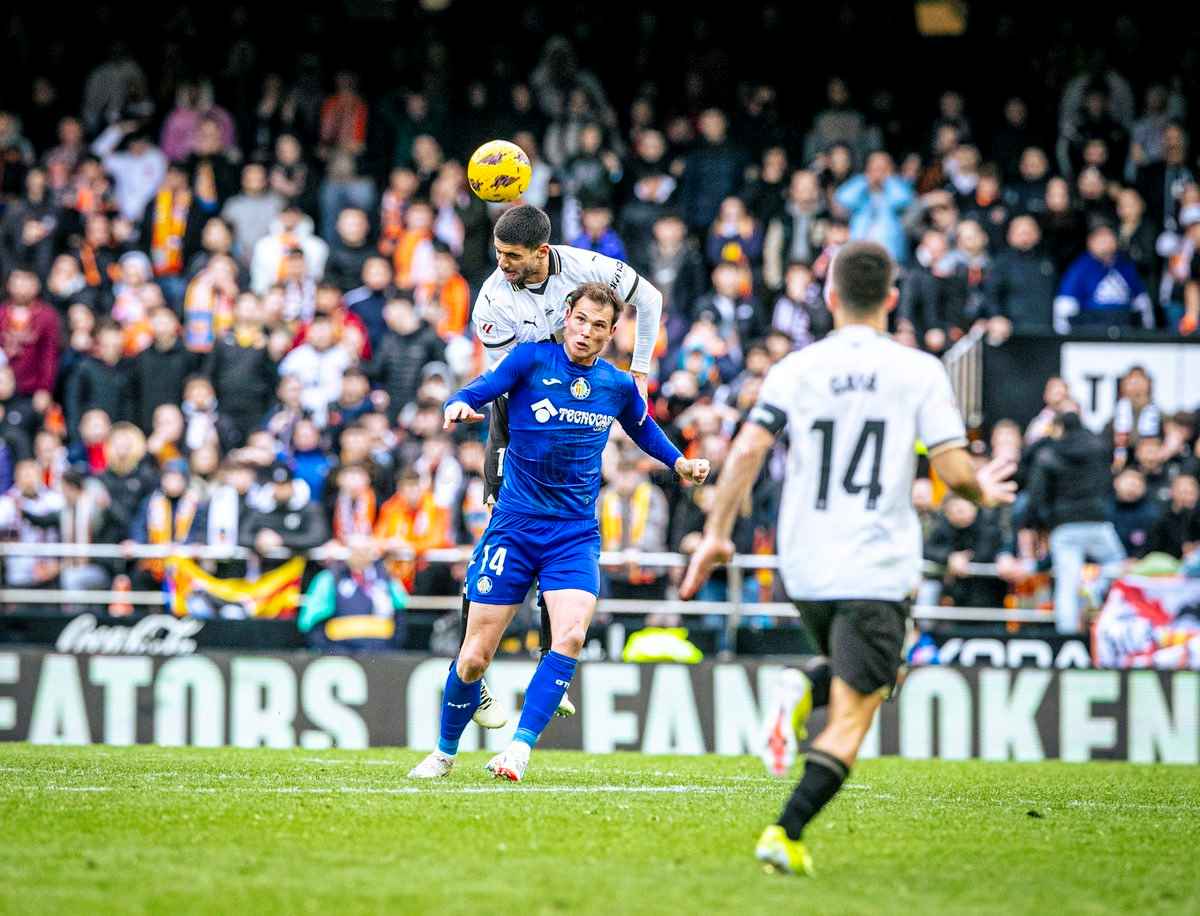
point(559, 415)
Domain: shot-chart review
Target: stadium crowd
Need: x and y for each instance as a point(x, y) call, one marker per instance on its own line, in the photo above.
point(235, 321)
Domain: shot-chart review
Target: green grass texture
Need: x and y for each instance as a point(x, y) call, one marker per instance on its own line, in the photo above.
point(181, 830)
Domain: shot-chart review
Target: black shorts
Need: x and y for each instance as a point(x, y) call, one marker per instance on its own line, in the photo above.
point(863, 638)
point(497, 442)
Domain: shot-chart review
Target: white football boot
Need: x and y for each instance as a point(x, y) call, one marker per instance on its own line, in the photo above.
point(786, 723)
point(565, 707)
point(490, 713)
point(510, 763)
point(435, 766)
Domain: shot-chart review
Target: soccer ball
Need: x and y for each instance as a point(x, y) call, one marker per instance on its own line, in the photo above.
point(499, 171)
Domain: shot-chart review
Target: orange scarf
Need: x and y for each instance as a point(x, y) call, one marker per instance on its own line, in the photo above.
point(612, 524)
point(166, 238)
point(163, 527)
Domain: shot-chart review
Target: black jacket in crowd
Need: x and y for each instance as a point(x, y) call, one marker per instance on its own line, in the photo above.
point(397, 362)
point(95, 385)
point(1135, 522)
point(156, 377)
point(128, 492)
point(984, 538)
point(244, 379)
point(1174, 529)
point(301, 523)
point(345, 263)
point(1021, 287)
point(1071, 480)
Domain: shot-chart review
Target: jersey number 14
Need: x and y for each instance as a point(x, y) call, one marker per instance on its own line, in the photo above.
point(871, 437)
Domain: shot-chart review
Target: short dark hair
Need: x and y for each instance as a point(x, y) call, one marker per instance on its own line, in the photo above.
point(523, 225)
point(599, 293)
point(862, 275)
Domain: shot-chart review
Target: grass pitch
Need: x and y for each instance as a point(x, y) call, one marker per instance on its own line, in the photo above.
point(156, 830)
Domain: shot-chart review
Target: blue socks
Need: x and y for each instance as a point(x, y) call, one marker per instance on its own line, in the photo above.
point(546, 689)
point(459, 702)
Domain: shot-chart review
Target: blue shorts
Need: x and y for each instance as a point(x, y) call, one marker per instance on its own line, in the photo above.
point(516, 549)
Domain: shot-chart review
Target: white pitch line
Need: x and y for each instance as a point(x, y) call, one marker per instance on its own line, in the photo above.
point(400, 790)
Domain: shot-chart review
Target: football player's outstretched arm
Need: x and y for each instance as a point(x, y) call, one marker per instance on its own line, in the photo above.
point(989, 487)
point(463, 406)
point(649, 437)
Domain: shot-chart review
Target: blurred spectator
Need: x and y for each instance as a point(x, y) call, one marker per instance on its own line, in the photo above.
point(86, 519)
point(344, 117)
point(215, 175)
point(1102, 289)
point(839, 123)
point(764, 196)
point(446, 302)
point(1022, 281)
point(308, 457)
point(171, 230)
point(204, 425)
point(29, 513)
point(135, 163)
point(1054, 395)
point(29, 338)
point(367, 301)
point(128, 477)
point(242, 372)
point(675, 265)
point(344, 188)
point(412, 256)
point(283, 516)
point(1069, 496)
point(1133, 512)
point(875, 200)
point(713, 171)
point(1012, 138)
point(971, 267)
point(793, 233)
point(30, 230)
point(1063, 227)
point(252, 212)
point(409, 344)
point(412, 520)
point(318, 364)
point(1026, 191)
point(737, 315)
point(1137, 238)
point(800, 312)
point(962, 534)
point(1177, 531)
point(354, 606)
point(354, 505)
point(350, 250)
point(290, 232)
point(598, 233)
point(1162, 183)
point(1135, 416)
point(1179, 292)
point(110, 86)
point(165, 518)
point(209, 303)
point(735, 236)
point(157, 374)
point(100, 380)
point(650, 189)
point(290, 176)
point(634, 516)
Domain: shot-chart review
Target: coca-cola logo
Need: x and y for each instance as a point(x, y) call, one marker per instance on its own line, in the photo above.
point(158, 634)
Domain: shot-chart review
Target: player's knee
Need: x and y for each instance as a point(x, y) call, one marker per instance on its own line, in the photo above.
point(473, 661)
point(570, 640)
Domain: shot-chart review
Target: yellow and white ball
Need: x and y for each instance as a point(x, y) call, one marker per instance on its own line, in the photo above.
point(499, 171)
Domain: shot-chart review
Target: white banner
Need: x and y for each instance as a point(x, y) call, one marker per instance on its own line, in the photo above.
point(1092, 371)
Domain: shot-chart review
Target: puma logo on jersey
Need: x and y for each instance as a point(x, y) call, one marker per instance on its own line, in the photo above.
point(551, 381)
point(852, 381)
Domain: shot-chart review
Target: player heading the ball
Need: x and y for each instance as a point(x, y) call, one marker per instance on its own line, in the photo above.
point(562, 401)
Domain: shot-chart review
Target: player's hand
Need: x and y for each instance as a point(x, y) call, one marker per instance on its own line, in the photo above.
point(995, 483)
point(693, 469)
point(460, 412)
point(643, 386)
point(711, 551)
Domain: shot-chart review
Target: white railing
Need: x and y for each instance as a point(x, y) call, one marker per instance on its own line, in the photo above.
point(733, 610)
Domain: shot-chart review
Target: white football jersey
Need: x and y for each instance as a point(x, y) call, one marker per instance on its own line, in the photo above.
point(855, 404)
point(506, 315)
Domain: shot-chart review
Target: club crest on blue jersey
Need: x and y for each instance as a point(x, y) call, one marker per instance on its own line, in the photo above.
point(483, 585)
point(580, 389)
